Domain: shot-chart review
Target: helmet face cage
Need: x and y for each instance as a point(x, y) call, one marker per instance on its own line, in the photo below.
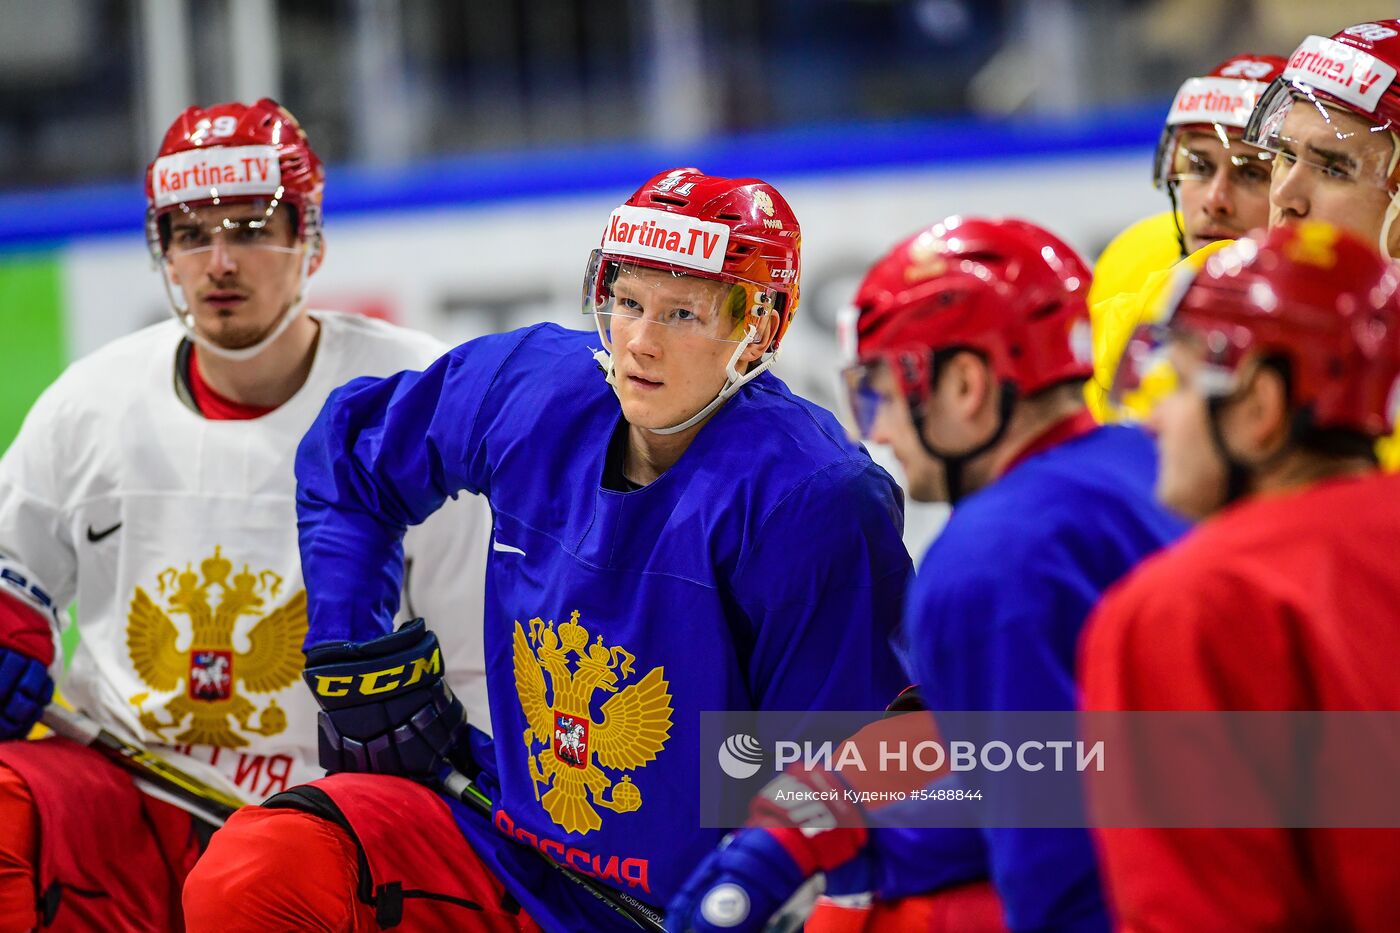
point(1218, 103)
point(234, 153)
point(224, 178)
point(659, 231)
point(1175, 161)
point(1331, 103)
point(735, 230)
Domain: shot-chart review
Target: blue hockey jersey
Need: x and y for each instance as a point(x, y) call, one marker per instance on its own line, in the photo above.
point(993, 621)
point(764, 570)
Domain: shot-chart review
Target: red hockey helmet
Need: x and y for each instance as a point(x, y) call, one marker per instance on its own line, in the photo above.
point(1354, 72)
point(1219, 102)
point(1005, 288)
point(1318, 296)
point(230, 153)
point(737, 230)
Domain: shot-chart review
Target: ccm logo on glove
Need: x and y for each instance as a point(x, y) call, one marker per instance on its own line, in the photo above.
point(374, 683)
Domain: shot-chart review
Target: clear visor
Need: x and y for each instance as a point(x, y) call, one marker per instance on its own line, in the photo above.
point(184, 231)
point(1327, 140)
point(624, 297)
point(863, 397)
point(1198, 154)
point(1160, 361)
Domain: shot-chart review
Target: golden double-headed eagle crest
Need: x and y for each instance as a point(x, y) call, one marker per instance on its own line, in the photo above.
point(764, 201)
point(207, 671)
point(632, 728)
point(925, 258)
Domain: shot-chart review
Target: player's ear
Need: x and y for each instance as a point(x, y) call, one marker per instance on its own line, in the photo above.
point(765, 328)
point(1263, 410)
point(969, 381)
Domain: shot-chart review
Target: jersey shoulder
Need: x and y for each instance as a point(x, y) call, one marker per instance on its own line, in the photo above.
point(1115, 313)
point(1060, 490)
point(778, 455)
point(1083, 510)
point(106, 378)
point(562, 356)
point(762, 445)
point(542, 381)
point(1239, 596)
point(788, 434)
point(1239, 551)
point(1336, 516)
point(389, 345)
point(1129, 258)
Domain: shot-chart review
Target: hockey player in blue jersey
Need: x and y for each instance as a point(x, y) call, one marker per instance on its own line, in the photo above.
point(971, 351)
point(674, 531)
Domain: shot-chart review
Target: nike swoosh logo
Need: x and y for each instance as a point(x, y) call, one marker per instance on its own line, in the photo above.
point(505, 548)
point(96, 536)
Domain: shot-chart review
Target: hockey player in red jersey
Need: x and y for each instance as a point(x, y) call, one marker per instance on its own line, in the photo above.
point(1281, 361)
point(153, 484)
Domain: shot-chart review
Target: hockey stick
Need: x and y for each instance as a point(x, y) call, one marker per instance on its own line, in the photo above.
point(198, 798)
point(461, 787)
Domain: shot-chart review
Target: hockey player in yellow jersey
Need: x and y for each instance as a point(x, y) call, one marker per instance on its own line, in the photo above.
point(1218, 187)
point(1331, 123)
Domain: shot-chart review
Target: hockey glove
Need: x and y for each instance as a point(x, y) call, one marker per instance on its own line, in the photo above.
point(738, 887)
point(385, 708)
point(742, 886)
point(27, 625)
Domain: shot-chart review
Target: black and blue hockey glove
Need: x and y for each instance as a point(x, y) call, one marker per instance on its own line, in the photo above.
point(385, 708)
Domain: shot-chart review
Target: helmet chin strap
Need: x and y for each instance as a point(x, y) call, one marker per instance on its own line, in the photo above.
point(1177, 220)
point(1238, 473)
point(1392, 210)
point(181, 309)
point(954, 464)
point(734, 380)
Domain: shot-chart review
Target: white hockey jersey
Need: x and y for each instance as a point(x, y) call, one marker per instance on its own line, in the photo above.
point(177, 538)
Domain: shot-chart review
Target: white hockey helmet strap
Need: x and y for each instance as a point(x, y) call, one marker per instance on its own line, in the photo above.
point(179, 307)
point(733, 382)
point(1392, 210)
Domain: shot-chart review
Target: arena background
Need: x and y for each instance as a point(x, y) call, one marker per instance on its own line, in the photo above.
point(475, 149)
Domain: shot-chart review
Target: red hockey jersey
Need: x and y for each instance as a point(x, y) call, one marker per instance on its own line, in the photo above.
point(1283, 602)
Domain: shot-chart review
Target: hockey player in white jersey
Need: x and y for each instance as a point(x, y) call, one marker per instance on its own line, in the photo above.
point(152, 484)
